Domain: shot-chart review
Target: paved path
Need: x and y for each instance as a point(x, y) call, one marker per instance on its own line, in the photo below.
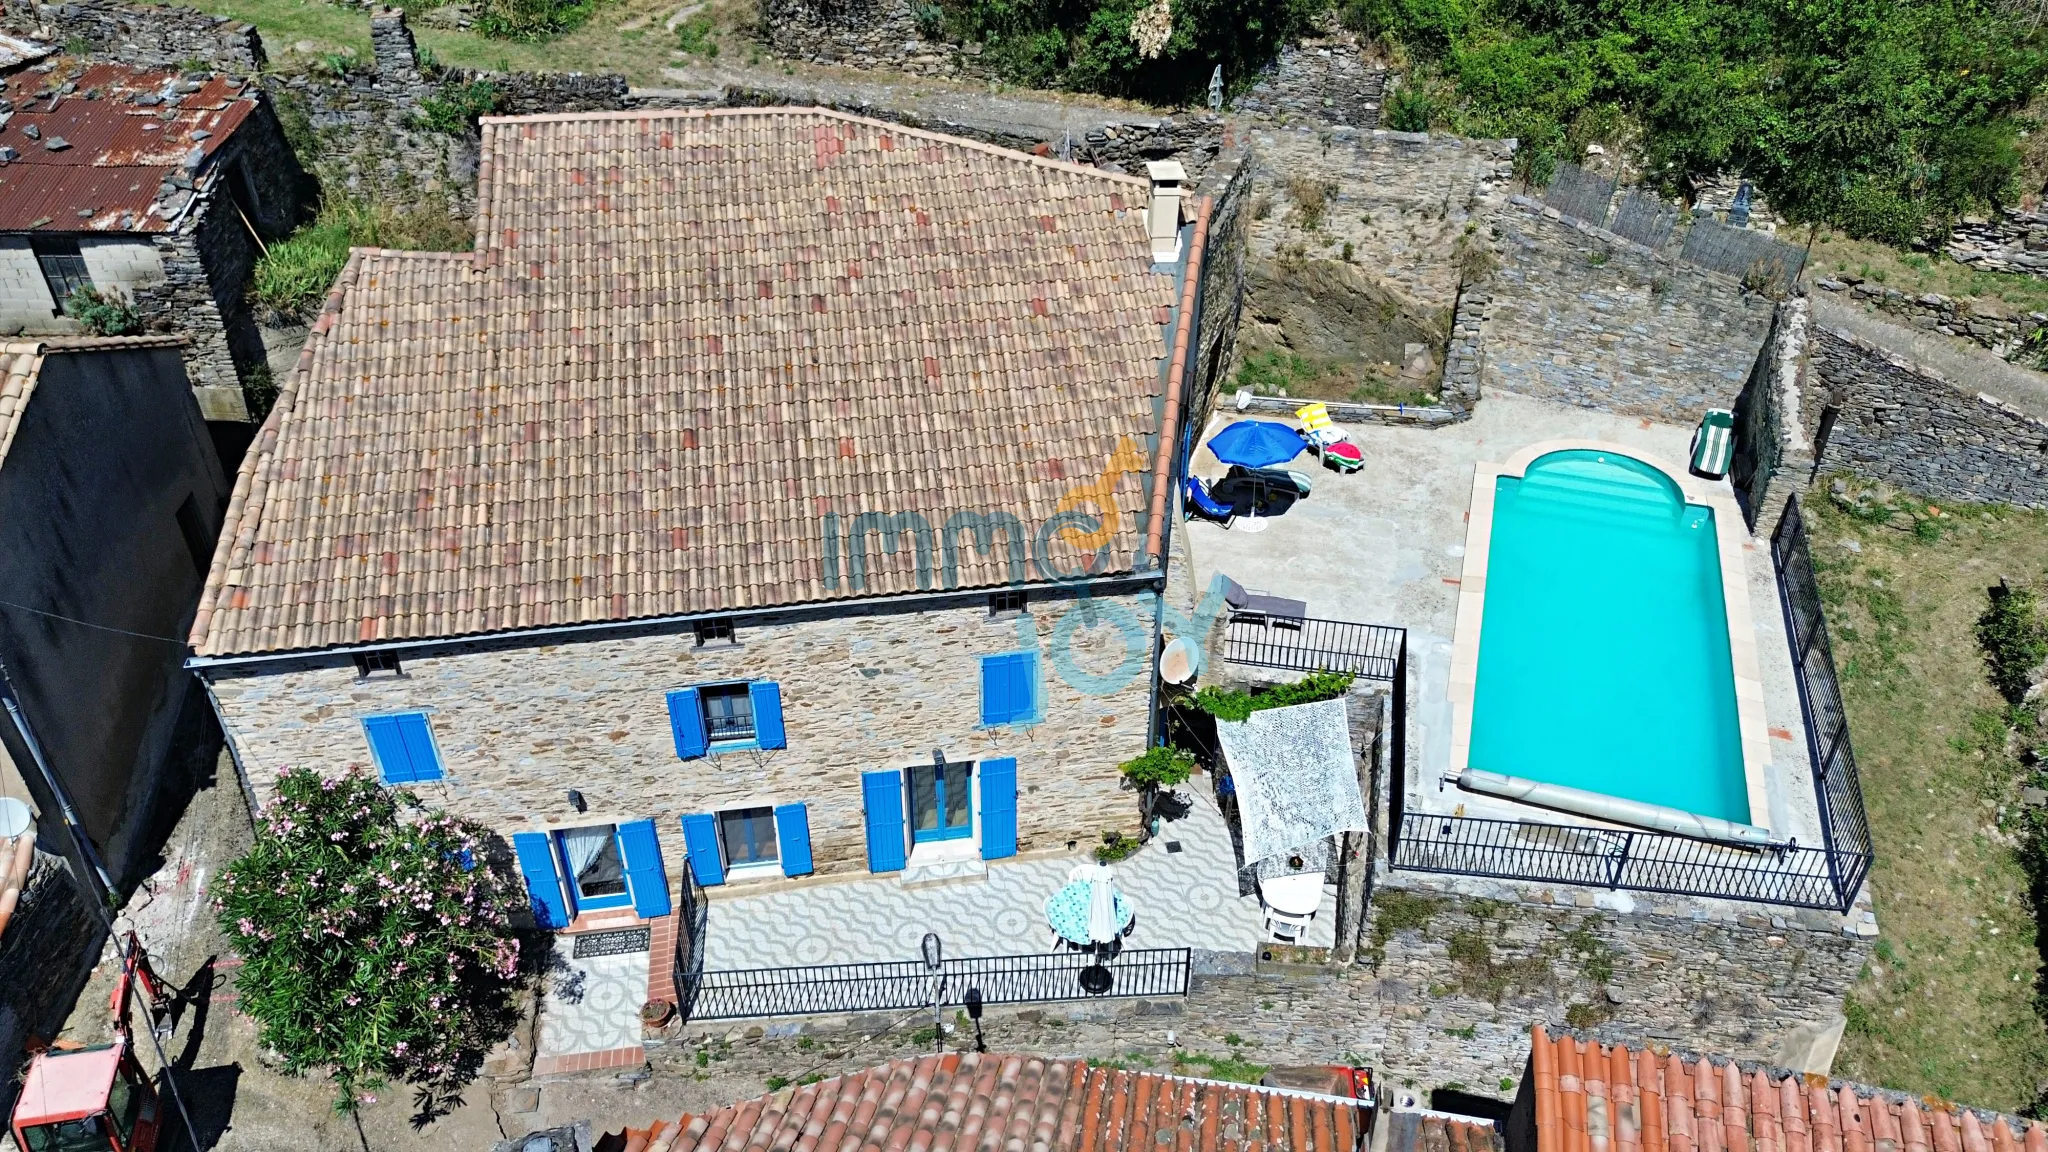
point(1185, 899)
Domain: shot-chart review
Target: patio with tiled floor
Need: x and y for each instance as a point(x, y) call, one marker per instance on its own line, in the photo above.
point(1183, 899)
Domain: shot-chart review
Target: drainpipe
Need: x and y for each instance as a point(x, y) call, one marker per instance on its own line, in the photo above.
point(79, 840)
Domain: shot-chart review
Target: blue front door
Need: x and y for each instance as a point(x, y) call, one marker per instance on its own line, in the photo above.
point(940, 802)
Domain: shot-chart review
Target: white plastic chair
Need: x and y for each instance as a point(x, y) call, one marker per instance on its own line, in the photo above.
point(1286, 927)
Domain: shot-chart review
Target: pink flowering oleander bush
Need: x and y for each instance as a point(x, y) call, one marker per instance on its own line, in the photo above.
point(375, 935)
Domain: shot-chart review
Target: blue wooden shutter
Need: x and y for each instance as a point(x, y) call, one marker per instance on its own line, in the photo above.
point(686, 720)
point(419, 747)
point(882, 793)
point(766, 696)
point(568, 873)
point(1007, 692)
point(793, 836)
point(387, 747)
point(646, 879)
point(700, 835)
point(543, 883)
point(998, 808)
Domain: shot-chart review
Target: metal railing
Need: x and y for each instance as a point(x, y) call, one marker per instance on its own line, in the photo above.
point(1827, 876)
point(831, 989)
point(1369, 651)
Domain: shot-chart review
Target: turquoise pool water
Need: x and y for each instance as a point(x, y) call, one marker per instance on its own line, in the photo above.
point(1603, 652)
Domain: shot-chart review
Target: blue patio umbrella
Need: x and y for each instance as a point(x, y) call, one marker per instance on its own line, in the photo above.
point(1257, 444)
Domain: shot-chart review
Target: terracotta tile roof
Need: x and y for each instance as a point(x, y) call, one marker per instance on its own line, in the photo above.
point(21, 366)
point(685, 341)
point(129, 132)
point(1591, 1097)
point(962, 1102)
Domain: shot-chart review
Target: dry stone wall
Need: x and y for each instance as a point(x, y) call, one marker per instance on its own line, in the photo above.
point(1774, 449)
point(1581, 315)
point(2016, 241)
point(1985, 321)
point(1323, 80)
point(147, 35)
point(1911, 425)
point(45, 958)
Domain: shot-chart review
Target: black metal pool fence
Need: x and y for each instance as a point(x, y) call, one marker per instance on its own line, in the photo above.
point(833, 989)
point(1826, 876)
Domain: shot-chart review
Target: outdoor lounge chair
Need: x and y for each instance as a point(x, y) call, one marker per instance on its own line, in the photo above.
point(1267, 609)
point(1202, 502)
point(1713, 444)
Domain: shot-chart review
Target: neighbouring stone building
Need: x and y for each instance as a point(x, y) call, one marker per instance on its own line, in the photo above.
point(152, 186)
point(795, 510)
point(110, 503)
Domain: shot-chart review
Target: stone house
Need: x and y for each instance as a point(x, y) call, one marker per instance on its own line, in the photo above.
point(153, 185)
point(774, 490)
point(110, 503)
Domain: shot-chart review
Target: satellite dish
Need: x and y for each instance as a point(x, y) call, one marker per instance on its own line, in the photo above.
point(1180, 662)
point(15, 818)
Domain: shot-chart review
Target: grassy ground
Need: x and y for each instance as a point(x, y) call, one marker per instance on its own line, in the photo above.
point(1919, 272)
point(625, 36)
point(1947, 1005)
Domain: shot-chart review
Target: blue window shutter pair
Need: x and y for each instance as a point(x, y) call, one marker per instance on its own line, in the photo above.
point(1009, 688)
point(700, 836)
point(403, 748)
point(543, 883)
point(999, 808)
point(646, 879)
point(882, 796)
point(686, 719)
point(792, 835)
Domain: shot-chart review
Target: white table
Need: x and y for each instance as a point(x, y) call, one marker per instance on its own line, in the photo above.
point(1296, 895)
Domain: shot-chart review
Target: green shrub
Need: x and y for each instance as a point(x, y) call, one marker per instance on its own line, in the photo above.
point(1409, 110)
point(453, 108)
point(2014, 640)
point(1888, 120)
point(532, 20)
point(105, 313)
point(290, 280)
point(375, 935)
point(1227, 705)
point(1117, 846)
point(1162, 766)
point(694, 36)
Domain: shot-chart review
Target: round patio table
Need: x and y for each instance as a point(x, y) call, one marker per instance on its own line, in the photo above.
point(1067, 911)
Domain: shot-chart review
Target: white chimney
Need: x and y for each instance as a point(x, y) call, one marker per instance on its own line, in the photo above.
point(1163, 215)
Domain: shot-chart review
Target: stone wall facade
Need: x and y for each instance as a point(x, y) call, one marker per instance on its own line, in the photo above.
point(518, 727)
point(45, 959)
point(1328, 79)
point(1773, 446)
point(1582, 316)
point(1907, 424)
point(872, 34)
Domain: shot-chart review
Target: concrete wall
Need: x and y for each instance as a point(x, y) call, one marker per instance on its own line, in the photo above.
point(109, 448)
point(864, 690)
point(123, 263)
point(1582, 316)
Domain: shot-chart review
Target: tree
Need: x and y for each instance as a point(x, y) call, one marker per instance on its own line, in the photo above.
point(375, 935)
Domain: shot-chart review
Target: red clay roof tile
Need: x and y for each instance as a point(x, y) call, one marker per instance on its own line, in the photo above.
point(626, 404)
point(1696, 1103)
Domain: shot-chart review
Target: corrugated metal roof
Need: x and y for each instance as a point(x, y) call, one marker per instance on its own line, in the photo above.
point(125, 132)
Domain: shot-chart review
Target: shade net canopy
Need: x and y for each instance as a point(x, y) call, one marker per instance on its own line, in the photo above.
point(1297, 782)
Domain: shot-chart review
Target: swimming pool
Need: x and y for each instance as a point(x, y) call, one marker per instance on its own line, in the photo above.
point(1603, 643)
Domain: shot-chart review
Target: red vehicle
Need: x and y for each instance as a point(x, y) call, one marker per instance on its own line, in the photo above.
point(94, 1099)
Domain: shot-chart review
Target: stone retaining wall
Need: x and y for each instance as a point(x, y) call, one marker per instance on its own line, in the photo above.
point(1322, 80)
point(1908, 424)
point(1773, 448)
point(1581, 315)
point(150, 36)
point(1985, 321)
point(45, 958)
point(2016, 241)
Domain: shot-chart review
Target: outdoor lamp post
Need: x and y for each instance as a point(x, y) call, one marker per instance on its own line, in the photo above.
point(934, 963)
point(973, 1001)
